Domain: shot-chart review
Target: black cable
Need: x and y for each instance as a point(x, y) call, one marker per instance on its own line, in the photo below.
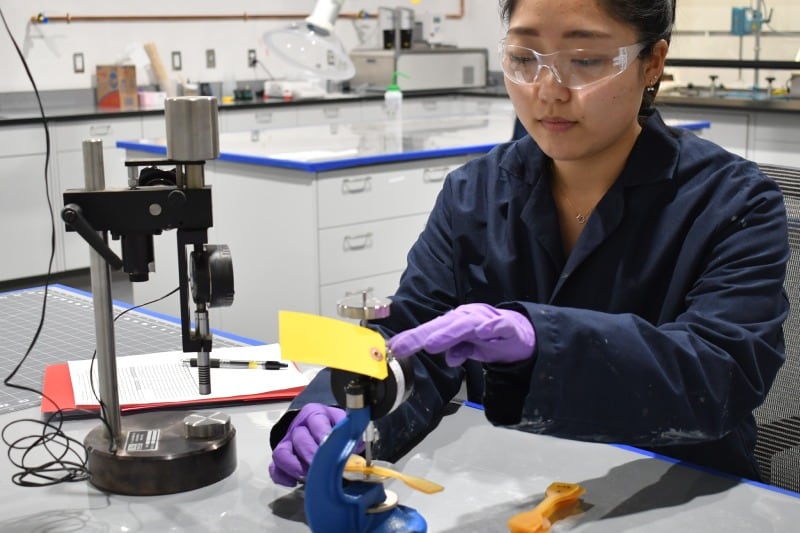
point(65, 458)
point(103, 407)
point(55, 443)
point(7, 380)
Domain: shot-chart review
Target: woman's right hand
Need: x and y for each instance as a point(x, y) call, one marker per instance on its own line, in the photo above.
point(293, 454)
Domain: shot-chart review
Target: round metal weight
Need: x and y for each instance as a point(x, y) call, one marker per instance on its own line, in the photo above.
point(362, 307)
point(154, 456)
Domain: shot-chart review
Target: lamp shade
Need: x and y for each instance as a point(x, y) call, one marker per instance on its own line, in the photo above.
point(311, 51)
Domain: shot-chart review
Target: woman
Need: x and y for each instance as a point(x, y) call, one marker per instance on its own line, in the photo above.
point(616, 280)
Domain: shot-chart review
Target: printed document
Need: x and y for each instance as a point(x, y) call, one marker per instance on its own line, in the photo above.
point(164, 378)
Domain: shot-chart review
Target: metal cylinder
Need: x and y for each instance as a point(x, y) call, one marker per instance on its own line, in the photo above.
point(94, 177)
point(192, 128)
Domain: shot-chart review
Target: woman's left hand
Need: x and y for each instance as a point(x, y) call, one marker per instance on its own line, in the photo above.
point(472, 331)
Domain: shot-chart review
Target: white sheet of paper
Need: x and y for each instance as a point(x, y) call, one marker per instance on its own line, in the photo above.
point(163, 378)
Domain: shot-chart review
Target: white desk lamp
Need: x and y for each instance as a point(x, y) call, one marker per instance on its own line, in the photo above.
point(312, 47)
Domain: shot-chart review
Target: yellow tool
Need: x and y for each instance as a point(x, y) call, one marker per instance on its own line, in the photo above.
point(558, 496)
point(356, 463)
point(318, 340)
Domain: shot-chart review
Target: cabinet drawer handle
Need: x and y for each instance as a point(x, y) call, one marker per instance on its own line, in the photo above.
point(368, 290)
point(103, 129)
point(356, 185)
point(357, 242)
point(434, 175)
point(264, 118)
point(330, 112)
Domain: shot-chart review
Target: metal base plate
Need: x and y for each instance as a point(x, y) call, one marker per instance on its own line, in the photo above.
point(157, 455)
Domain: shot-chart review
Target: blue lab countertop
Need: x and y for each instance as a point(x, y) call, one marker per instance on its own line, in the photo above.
point(336, 146)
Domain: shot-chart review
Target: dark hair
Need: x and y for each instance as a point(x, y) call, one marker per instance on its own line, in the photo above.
point(652, 19)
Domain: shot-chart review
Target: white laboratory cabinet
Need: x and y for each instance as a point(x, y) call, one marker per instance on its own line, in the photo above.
point(729, 129)
point(26, 235)
point(763, 136)
point(775, 139)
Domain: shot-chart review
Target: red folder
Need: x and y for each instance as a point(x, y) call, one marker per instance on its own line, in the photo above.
point(57, 387)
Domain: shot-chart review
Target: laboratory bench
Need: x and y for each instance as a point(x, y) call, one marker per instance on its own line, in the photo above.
point(489, 473)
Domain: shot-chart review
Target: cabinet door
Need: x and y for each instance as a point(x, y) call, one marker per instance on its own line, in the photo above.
point(25, 239)
point(487, 106)
point(379, 193)
point(367, 249)
point(776, 138)
point(22, 140)
point(429, 107)
point(70, 137)
point(332, 113)
point(26, 236)
point(254, 119)
point(729, 129)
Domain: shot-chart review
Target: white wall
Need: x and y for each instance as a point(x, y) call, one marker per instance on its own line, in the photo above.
point(698, 16)
point(49, 48)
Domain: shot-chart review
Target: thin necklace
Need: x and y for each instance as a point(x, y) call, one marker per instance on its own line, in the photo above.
point(580, 217)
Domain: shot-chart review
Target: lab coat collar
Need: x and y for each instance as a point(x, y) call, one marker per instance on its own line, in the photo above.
point(654, 156)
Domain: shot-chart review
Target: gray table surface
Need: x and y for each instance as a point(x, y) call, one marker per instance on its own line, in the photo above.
point(489, 474)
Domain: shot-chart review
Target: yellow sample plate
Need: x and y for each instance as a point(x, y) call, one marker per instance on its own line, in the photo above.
point(319, 340)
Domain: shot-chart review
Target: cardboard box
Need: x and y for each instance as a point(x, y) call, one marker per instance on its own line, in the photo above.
point(116, 87)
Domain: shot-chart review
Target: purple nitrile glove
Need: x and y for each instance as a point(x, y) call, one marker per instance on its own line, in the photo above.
point(292, 456)
point(471, 331)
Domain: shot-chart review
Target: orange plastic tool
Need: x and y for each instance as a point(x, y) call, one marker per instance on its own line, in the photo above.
point(356, 463)
point(558, 496)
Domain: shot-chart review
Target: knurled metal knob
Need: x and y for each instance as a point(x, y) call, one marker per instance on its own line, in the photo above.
point(363, 307)
point(206, 426)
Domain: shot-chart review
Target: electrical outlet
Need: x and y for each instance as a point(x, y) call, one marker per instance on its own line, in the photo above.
point(252, 61)
point(177, 63)
point(211, 58)
point(77, 62)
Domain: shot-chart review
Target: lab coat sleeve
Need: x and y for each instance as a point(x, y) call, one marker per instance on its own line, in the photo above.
point(619, 378)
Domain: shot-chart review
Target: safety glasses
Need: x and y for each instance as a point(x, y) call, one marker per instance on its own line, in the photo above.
point(576, 69)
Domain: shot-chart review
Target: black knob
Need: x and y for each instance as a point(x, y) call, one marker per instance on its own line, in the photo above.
point(176, 199)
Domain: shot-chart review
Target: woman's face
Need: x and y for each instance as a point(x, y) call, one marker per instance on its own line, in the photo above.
point(577, 124)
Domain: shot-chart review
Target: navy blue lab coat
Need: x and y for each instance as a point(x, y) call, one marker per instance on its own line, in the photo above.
point(662, 329)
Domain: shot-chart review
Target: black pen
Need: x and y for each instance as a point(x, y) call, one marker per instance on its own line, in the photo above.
point(220, 363)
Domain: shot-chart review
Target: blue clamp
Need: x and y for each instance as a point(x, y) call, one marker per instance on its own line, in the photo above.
point(333, 505)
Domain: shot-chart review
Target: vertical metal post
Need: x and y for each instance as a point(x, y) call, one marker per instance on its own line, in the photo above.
point(100, 274)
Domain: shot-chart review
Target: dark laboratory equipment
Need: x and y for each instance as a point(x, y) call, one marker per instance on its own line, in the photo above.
point(164, 452)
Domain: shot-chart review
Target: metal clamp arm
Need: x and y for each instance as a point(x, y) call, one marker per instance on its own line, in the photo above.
point(72, 214)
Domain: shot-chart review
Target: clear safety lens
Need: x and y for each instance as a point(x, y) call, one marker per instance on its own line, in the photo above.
point(575, 69)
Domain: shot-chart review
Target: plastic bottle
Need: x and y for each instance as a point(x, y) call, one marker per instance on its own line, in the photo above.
point(393, 99)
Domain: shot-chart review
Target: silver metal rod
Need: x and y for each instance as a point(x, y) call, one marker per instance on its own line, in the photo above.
point(100, 275)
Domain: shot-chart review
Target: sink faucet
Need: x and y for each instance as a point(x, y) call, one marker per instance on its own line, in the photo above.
point(713, 86)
